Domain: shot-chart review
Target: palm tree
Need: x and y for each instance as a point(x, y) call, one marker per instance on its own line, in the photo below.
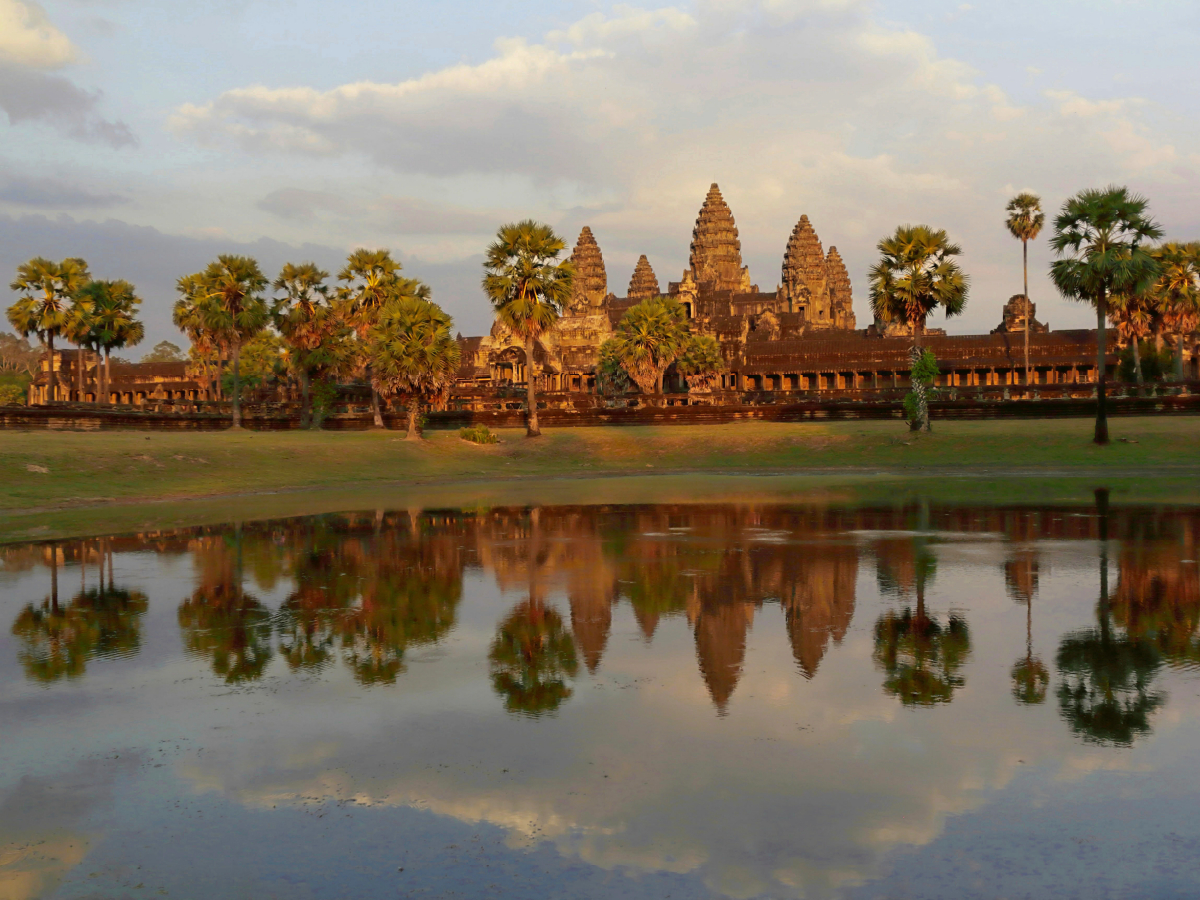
point(112, 322)
point(312, 328)
point(1178, 293)
point(229, 304)
point(1025, 221)
point(46, 315)
point(701, 362)
point(916, 274)
point(77, 329)
point(1030, 677)
point(1097, 238)
point(372, 280)
point(188, 316)
point(413, 355)
point(650, 336)
point(528, 288)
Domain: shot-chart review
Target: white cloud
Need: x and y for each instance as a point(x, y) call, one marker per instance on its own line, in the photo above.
point(29, 39)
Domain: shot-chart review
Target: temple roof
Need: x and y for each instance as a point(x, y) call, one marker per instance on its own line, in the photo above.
point(804, 272)
point(591, 281)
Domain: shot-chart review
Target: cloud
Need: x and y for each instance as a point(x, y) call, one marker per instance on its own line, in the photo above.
point(397, 215)
point(27, 38)
point(52, 193)
point(29, 46)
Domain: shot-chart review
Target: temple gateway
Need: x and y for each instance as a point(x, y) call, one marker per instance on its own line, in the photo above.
point(801, 337)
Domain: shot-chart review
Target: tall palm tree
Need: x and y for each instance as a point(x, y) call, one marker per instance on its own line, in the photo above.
point(46, 289)
point(372, 280)
point(528, 288)
point(312, 328)
point(112, 322)
point(1177, 292)
point(77, 329)
point(413, 355)
point(651, 336)
point(1097, 237)
point(916, 274)
point(1025, 221)
point(188, 316)
point(231, 306)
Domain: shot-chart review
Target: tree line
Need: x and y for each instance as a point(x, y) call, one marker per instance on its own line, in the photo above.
point(375, 324)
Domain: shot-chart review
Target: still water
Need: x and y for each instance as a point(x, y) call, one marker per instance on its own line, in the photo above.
point(624, 701)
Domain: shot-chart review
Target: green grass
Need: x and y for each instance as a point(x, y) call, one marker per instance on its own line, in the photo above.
point(99, 477)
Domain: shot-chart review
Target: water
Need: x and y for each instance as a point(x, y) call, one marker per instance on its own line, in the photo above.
point(651, 701)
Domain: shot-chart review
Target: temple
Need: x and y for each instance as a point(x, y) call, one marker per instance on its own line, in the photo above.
point(801, 337)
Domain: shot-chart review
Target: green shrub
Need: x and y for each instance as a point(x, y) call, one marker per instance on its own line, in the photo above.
point(1155, 366)
point(478, 434)
point(11, 395)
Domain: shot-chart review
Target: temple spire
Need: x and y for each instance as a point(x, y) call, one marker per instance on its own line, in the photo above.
point(644, 283)
point(716, 257)
point(591, 281)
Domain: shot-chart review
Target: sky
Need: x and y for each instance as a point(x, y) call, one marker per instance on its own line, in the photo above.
point(149, 136)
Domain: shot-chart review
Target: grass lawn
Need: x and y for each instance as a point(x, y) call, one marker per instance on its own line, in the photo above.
point(94, 474)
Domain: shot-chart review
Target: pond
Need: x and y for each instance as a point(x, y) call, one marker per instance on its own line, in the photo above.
point(637, 701)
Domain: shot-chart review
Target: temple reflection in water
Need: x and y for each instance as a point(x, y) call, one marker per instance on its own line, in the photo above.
point(365, 589)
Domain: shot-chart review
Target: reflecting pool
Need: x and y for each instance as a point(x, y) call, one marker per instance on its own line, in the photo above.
point(608, 701)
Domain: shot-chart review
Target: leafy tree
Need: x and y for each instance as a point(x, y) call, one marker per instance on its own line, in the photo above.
point(649, 337)
point(414, 357)
point(164, 352)
point(1097, 238)
point(112, 321)
point(317, 336)
point(228, 304)
point(611, 377)
point(528, 288)
point(916, 274)
point(46, 290)
point(16, 355)
point(372, 280)
point(531, 659)
point(205, 352)
point(701, 362)
point(1024, 222)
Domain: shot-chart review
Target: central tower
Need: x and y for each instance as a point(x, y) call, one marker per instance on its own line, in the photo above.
point(716, 259)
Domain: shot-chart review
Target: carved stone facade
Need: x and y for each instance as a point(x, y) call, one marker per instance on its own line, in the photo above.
point(803, 336)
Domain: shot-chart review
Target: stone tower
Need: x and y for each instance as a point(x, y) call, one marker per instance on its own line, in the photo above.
point(643, 284)
point(840, 295)
point(591, 282)
point(716, 260)
point(805, 277)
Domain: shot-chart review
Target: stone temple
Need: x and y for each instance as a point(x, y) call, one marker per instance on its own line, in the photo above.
point(803, 336)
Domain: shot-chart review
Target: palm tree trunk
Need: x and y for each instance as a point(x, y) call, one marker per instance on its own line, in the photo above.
point(108, 375)
point(918, 386)
point(305, 401)
point(1101, 435)
point(237, 386)
point(1025, 261)
point(1179, 357)
point(52, 383)
point(659, 386)
point(79, 374)
point(414, 433)
point(1137, 365)
point(532, 429)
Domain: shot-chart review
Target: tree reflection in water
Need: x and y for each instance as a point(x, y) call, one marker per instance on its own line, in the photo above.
point(1106, 694)
point(220, 621)
point(921, 658)
point(531, 659)
point(57, 641)
point(1030, 677)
